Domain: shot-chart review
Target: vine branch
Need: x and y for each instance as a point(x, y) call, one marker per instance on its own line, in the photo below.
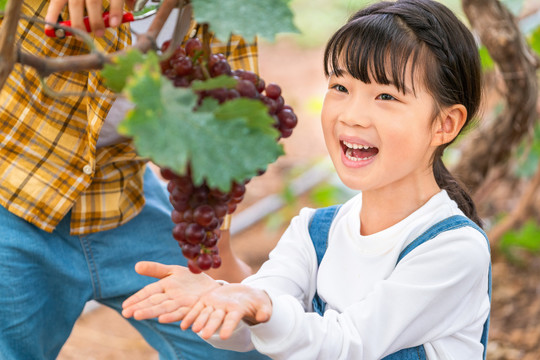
point(46, 66)
point(8, 31)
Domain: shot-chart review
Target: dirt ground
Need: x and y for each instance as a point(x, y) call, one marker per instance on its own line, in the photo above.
point(515, 323)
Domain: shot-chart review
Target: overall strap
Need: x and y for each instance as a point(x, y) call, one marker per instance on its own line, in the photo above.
point(453, 222)
point(319, 227)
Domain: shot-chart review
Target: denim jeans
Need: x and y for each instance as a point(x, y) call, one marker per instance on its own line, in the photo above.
point(47, 278)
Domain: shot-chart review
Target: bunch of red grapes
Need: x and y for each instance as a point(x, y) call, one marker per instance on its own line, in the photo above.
point(199, 211)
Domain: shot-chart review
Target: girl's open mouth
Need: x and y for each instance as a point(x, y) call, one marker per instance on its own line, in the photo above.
point(358, 152)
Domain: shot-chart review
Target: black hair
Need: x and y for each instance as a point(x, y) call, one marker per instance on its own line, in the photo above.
point(379, 42)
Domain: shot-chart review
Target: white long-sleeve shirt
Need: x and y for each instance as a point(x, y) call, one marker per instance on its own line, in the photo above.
point(436, 296)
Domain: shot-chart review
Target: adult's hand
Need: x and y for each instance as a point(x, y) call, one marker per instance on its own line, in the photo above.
point(94, 11)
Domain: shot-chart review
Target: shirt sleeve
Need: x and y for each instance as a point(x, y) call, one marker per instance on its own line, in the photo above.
point(290, 257)
point(434, 292)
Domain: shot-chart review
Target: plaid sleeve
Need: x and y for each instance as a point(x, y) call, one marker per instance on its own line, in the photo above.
point(49, 163)
point(48, 142)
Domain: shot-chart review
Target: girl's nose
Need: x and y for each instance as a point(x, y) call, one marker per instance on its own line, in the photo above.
point(356, 113)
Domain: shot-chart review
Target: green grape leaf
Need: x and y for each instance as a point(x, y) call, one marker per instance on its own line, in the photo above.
point(246, 18)
point(222, 81)
point(209, 104)
point(3, 5)
point(221, 145)
point(255, 113)
point(117, 73)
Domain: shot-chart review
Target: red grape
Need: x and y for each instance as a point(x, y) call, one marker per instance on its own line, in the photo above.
point(193, 267)
point(193, 46)
point(273, 91)
point(204, 215)
point(204, 261)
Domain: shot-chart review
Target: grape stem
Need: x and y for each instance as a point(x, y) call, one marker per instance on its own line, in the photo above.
point(206, 42)
point(206, 50)
point(205, 72)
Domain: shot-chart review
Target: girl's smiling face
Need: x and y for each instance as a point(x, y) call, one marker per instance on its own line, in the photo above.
point(377, 136)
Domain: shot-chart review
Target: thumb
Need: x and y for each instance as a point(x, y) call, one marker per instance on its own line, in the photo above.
point(153, 269)
point(263, 314)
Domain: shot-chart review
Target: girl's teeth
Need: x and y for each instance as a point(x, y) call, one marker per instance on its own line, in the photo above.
point(355, 146)
point(352, 158)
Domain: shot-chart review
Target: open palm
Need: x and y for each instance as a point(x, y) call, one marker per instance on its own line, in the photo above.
point(224, 307)
point(171, 297)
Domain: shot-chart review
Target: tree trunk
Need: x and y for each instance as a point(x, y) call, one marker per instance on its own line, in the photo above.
point(490, 145)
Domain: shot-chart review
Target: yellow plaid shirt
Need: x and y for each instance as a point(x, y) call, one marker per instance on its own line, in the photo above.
point(49, 162)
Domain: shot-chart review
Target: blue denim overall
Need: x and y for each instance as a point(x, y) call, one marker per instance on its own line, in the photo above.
point(319, 228)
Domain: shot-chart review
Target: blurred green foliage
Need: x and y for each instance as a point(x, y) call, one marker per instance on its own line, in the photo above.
point(516, 245)
point(327, 194)
point(318, 19)
point(528, 155)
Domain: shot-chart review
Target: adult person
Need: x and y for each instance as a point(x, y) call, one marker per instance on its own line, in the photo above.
point(79, 209)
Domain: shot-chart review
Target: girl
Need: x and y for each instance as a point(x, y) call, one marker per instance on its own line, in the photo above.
point(405, 273)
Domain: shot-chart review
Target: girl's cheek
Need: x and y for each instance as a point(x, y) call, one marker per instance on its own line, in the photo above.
point(328, 106)
point(324, 111)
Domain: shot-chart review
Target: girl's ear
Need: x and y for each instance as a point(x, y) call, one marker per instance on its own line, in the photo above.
point(448, 126)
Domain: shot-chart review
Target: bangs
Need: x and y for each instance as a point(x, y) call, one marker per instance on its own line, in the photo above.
point(374, 48)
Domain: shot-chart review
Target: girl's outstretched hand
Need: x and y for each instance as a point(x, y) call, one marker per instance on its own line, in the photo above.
point(171, 297)
point(224, 307)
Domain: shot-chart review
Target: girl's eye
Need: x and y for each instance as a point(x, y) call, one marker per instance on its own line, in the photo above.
point(386, 97)
point(340, 88)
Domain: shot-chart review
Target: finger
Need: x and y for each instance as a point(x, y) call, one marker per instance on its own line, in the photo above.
point(192, 315)
point(173, 316)
point(153, 269)
point(214, 322)
point(94, 8)
point(202, 319)
point(230, 323)
point(143, 294)
point(152, 311)
point(76, 14)
point(116, 9)
point(153, 306)
point(53, 11)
